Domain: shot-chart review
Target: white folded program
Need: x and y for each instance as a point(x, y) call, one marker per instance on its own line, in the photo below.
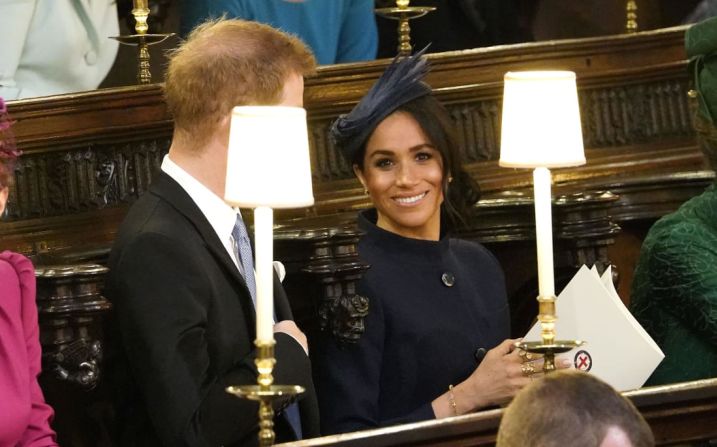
point(617, 348)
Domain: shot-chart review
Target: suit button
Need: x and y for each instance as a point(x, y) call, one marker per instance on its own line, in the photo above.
point(480, 354)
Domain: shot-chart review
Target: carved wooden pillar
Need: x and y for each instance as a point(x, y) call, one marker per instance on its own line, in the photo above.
point(71, 310)
point(70, 307)
point(323, 271)
point(336, 266)
point(585, 229)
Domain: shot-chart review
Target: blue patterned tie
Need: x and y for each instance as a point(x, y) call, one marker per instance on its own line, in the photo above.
point(243, 248)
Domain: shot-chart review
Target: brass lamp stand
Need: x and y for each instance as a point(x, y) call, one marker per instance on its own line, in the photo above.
point(403, 13)
point(142, 40)
point(265, 392)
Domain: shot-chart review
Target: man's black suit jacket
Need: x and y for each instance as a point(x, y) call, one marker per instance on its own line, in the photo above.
point(185, 326)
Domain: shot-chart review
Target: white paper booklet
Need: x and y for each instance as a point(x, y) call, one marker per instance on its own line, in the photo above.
point(617, 349)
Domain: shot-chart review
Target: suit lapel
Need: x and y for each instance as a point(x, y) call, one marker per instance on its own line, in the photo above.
point(169, 190)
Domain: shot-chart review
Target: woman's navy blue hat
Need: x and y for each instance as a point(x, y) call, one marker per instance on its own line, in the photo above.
point(400, 83)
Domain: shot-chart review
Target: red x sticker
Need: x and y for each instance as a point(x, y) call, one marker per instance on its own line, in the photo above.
point(583, 361)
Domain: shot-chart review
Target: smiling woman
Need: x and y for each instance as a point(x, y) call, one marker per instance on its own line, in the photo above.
point(436, 304)
point(403, 173)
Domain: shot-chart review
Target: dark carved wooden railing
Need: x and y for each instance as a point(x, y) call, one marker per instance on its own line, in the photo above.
point(88, 156)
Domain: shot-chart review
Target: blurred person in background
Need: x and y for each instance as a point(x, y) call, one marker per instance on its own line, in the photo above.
point(337, 31)
point(50, 47)
point(24, 416)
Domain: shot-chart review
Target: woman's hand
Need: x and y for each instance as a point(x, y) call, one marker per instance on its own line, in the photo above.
point(504, 371)
point(496, 380)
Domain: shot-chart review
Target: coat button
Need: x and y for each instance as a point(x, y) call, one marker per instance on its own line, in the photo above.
point(91, 57)
point(480, 354)
point(448, 279)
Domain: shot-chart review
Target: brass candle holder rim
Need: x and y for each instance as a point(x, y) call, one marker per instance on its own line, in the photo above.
point(258, 392)
point(135, 39)
point(556, 347)
point(410, 12)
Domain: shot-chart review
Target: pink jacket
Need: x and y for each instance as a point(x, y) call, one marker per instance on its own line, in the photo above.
point(25, 417)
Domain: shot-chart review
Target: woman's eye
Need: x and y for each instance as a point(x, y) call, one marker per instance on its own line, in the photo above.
point(423, 156)
point(383, 163)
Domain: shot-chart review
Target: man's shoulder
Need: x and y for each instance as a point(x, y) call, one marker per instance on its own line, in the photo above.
point(148, 212)
point(152, 216)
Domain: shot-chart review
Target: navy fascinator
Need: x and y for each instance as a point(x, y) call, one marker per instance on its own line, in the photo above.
point(400, 83)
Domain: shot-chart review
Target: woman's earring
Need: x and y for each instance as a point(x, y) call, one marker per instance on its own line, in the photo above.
point(365, 191)
point(450, 179)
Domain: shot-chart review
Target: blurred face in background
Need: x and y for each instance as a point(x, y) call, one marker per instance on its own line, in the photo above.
point(403, 173)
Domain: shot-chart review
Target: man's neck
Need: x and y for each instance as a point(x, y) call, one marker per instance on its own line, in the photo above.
point(207, 165)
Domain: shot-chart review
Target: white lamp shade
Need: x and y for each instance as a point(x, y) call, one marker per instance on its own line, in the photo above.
point(268, 161)
point(541, 120)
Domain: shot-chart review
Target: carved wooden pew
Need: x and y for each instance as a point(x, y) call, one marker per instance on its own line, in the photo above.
point(88, 156)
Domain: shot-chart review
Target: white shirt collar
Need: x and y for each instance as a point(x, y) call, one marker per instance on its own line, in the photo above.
point(220, 215)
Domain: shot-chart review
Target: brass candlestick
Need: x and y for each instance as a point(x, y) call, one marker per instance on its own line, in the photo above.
point(142, 40)
point(265, 392)
point(548, 346)
point(631, 19)
point(403, 13)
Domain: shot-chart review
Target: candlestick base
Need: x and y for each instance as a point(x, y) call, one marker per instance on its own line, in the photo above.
point(266, 392)
point(548, 350)
point(266, 397)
